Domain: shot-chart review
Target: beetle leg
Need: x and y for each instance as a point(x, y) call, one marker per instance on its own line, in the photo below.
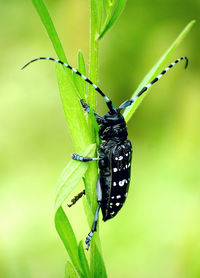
point(76, 198)
point(94, 225)
point(84, 159)
point(86, 107)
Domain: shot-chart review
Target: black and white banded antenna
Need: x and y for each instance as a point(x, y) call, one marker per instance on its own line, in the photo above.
point(145, 88)
point(108, 101)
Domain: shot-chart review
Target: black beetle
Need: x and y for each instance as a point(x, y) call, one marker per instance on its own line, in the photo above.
point(115, 152)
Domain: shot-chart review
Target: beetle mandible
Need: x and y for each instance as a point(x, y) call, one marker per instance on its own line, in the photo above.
point(115, 152)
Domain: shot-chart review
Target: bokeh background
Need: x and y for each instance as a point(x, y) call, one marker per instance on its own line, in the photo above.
point(157, 233)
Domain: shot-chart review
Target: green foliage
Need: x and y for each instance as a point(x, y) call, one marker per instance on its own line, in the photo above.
point(69, 271)
point(71, 176)
point(83, 259)
point(72, 88)
point(113, 11)
point(48, 24)
point(79, 82)
point(68, 238)
point(155, 71)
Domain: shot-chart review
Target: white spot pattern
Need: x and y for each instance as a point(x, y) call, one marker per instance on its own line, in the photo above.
point(121, 183)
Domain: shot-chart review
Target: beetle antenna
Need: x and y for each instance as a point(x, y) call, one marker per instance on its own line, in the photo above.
point(108, 101)
point(129, 102)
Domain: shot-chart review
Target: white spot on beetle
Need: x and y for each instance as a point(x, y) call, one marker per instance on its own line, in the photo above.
point(115, 169)
point(114, 183)
point(121, 183)
point(121, 157)
point(118, 196)
point(117, 204)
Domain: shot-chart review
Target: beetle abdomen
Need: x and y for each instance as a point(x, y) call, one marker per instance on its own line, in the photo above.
point(115, 178)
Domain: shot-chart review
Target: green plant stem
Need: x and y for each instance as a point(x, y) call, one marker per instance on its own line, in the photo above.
point(91, 174)
point(93, 55)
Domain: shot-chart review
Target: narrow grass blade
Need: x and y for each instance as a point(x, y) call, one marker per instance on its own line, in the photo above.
point(88, 212)
point(49, 26)
point(68, 238)
point(83, 260)
point(79, 82)
point(69, 271)
point(156, 70)
point(112, 17)
point(68, 180)
point(97, 264)
point(107, 6)
point(74, 116)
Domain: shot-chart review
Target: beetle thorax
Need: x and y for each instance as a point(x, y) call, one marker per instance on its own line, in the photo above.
point(113, 127)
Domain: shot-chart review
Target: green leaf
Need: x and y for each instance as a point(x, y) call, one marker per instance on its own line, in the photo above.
point(97, 267)
point(107, 6)
point(69, 271)
point(88, 212)
point(79, 82)
point(76, 121)
point(68, 180)
point(48, 24)
point(83, 260)
point(155, 71)
point(112, 17)
point(98, 11)
point(97, 263)
point(71, 176)
point(68, 238)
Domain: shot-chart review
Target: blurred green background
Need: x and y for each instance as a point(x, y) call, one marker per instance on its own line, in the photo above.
point(157, 233)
